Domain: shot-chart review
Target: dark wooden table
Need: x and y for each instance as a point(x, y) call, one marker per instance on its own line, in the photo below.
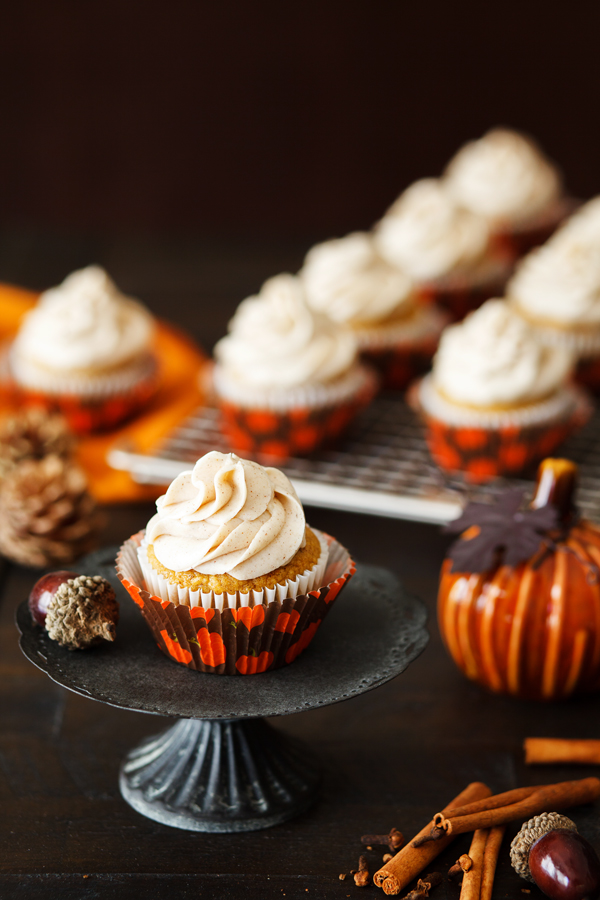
point(390, 757)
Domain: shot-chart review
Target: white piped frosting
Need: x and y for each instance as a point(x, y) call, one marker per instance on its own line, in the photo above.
point(503, 176)
point(228, 515)
point(428, 235)
point(581, 228)
point(559, 283)
point(351, 283)
point(84, 324)
point(494, 359)
point(277, 341)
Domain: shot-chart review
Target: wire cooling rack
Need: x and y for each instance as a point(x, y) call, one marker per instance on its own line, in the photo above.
point(381, 467)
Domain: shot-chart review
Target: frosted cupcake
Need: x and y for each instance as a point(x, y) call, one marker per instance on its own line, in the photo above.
point(228, 576)
point(557, 290)
point(447, 250)
point(86, 350)
point(498, 398)
point(351, 283)
point(505, 177)
point(287, 378)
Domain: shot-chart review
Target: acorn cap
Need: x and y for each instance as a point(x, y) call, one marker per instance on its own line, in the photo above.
point(530, 832)
point(83, 612)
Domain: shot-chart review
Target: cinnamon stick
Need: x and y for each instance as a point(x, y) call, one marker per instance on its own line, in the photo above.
point(410, 861)
point(561, 750)
point(551, 796)
point(471, 882)
point(490, 859)
point(493, 802)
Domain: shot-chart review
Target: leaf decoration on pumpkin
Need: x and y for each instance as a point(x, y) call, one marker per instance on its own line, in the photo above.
point(506, 533)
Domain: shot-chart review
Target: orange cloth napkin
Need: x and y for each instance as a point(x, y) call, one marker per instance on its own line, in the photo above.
point(180, 362)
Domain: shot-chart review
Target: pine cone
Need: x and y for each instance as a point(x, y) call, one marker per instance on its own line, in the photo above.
point(47, 516)
point(83, 612)
point(33, 434)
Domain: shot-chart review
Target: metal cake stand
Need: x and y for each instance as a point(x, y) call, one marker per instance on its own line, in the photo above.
point(221, 767)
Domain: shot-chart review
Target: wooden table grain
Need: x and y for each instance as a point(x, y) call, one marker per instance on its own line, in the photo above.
point(391, 757)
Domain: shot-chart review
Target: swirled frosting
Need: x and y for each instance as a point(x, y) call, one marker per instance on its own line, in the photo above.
point(559, 283)
point(494, 359)
point(85, 324)
point(428, 235)
point(503, 176)
point(582, 228)
point(276, 340)
point(347, 280)
point(227, 516)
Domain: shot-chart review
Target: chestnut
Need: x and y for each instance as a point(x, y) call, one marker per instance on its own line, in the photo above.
point(549, 851)
point(43, 591)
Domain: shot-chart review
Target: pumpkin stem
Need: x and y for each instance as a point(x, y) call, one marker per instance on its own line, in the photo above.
point(556, 485)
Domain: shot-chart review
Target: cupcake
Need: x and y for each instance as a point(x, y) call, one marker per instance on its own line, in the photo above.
point(505, 177)
point(351, 283)
point(287, 379)
point(556, 289)
point(498, 398)
point(228, 576)
point(85, 350)
point(583, 227)
point(447, 250)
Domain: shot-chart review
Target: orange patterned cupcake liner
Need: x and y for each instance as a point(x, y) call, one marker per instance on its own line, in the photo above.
point(399, 365)
point(243, 641)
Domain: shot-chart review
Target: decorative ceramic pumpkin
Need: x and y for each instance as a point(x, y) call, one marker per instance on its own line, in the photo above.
point(519, 596)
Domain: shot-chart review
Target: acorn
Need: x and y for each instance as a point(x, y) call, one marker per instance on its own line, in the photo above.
point(549, 851)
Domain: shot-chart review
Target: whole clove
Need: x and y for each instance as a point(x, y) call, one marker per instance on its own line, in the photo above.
point(394, 839)
point(424, 885)
point(462, 865)
point(361, 876)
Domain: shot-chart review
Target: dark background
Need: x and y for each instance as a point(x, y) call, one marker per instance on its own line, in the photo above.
point(275, 117)
point(196, 148)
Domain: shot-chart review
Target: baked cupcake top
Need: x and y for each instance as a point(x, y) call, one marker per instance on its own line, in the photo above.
point(85, 324)
point(350, 282)
point(277, 341)
point(559, 284)
point(583, 227)
point(503, 176)
point(227, 516)
point(428, 235)
point(494, 359)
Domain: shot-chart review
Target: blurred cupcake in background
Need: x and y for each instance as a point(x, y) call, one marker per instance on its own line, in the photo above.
point(351, 283)
point(447, 250)
point(498, 399)
point(287, 378)
point(556, 289)
point(583, 227)
point(87, 351)
point(505, 177)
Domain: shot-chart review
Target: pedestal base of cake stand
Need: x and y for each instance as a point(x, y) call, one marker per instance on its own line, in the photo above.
point(221, 767)
point(219, 776)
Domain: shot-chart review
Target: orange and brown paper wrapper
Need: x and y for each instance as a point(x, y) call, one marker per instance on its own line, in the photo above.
point(246, 640)
point(507, 448)
point(280, 431)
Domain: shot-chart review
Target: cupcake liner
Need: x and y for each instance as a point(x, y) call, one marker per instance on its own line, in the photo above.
point(91, 405)
point(461, 294)
point(403, 350)
point(279, 424)
point(292, 587)
point(243, 640)
point(503, 442)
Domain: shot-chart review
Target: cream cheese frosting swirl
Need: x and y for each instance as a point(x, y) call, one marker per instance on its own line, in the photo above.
point(228, 516)
point(85, 324)
point(494, 359)
point(582, 228)
point(277, 341)
point(347, 280)
point(503, 176)
point(428, 235)
point(559, 283)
